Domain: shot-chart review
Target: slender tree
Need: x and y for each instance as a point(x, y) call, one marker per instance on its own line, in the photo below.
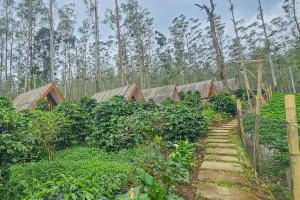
point(267, 43)
point(210, 11)
point(52, 53)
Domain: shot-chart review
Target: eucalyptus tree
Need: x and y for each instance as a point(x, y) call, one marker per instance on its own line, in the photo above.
point(139, 27)
point(30, 12)
point(52, 50)
point(267, 42)
point(92, 6)
point(65, 29)
point(289, 7)
point(210, 11)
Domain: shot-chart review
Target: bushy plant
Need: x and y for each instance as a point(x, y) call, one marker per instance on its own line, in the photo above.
point(68, 188)
point(79, 127)
point(42, 105)
point(5, 103)
point(87, 104)
point(182, 122)
point(111, 172)
point(223, 103)
point(191, 99)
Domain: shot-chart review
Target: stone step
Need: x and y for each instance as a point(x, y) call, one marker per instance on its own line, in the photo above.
point(215, 192)
point(218, 137)
point(218, 141)
point(223, 166)
point(210, 157)
point(220, 145)
point(210, 175)
point(220, 131)
point(221, 151)
point(219, 134)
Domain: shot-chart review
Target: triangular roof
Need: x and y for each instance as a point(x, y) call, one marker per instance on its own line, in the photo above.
point(232, 84)
point(27, 100)
point(159, 94)
point(206, 88)
point(128, 92)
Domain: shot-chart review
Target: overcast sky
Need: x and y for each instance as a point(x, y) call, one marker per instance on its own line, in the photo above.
point(164, 11)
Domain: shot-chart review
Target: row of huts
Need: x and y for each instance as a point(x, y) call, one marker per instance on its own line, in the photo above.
point(207, 89)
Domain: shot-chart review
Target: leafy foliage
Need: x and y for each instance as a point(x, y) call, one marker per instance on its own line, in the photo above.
point(109, 171)
point(223, 103)
point(42, 105)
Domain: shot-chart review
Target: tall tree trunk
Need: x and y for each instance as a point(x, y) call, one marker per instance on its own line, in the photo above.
point(120, 52)
point(268, 44)
point(220, 57)
point(6, 42)
point(29, 59)
point(97, 50)
point(52, 79)
point(295, 16)
point(240, 54)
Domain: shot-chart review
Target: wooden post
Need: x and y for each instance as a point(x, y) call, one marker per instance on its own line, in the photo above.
point(258, 107)
point(240, 121)
point(247, 85)
point(292, 127)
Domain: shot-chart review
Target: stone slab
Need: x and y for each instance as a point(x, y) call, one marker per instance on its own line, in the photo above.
point(204, 175)
point(220, 145)
point(218, 141)
point(215, 192)
point(218, 137)
point(221, 158)
point(221, 151)
point(218, 134)
point(220, 131)
point(224, 166)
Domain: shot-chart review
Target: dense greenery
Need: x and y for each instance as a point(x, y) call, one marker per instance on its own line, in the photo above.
point(90, 150)
point(110, 171)
point(223, 103)
point(273, 135)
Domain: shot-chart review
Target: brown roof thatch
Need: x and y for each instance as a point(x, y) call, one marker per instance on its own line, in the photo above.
point(206, 88)
point(129, 92)
point(232, 85)
point(27, 100)
point(160, 94)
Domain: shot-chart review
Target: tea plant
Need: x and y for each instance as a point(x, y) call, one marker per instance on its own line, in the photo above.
point(223, 103)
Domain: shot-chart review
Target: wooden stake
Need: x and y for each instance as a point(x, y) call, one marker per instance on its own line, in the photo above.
point(258, 107)
point(240, 121)
point(247, 85)
point(292, 127)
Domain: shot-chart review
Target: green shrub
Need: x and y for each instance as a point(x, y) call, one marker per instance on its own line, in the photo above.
point(79, 127)
point(111, 172)
point(42, 105)
point(87, 104)
point(182, 123)
point(68, 187)
point(223, 103)
point(191, 99)
point(5, 103)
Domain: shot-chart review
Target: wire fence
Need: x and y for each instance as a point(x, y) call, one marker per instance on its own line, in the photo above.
point(271, 156)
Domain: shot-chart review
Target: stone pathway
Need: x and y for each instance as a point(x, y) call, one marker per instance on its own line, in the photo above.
point(221, 175)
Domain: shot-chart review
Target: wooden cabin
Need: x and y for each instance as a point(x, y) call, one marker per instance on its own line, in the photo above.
point(232, 85)
point(159, 94)
point(206, 89)
point(130, 92)
point(28, 100)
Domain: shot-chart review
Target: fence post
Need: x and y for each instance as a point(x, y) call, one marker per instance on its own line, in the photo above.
point(291, 118)
point(240, 121)
point(257, 113)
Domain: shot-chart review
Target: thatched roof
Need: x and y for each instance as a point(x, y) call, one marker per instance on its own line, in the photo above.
point(27, 100)
point(128, 92)
point(160, 94)
point(206, 88)
point(232, 85)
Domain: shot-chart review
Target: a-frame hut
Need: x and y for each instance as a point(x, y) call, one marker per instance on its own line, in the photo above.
point(159, 94)
point(130, 92)
point(28, 100)
point(206, 88)
point(232, 85)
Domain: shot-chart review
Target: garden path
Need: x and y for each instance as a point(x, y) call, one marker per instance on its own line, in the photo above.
point(224, 172)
